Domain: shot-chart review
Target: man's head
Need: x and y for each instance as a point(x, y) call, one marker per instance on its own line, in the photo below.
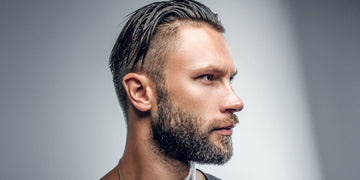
point(187, 58)
point(147, 37)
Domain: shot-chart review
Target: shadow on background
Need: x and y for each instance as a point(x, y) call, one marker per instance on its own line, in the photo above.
point(329, 46)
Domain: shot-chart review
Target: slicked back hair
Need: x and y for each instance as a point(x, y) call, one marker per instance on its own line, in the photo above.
point(147, 36)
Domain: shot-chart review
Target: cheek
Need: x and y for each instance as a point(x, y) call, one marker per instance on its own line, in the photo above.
point(197, 99)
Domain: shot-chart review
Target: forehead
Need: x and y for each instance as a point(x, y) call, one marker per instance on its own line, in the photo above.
point(200, 47)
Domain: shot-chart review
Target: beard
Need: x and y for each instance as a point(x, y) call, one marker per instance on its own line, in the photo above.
point(177, 135)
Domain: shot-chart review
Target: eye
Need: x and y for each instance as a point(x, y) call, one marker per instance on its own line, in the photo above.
point(207, 77)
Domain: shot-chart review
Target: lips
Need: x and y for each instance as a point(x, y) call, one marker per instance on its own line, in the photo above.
point(224, 130)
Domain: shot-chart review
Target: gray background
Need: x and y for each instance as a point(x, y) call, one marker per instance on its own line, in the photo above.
point(328, 37)
point(298, 65)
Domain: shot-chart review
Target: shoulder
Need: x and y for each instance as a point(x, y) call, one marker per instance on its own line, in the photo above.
point(208, 176)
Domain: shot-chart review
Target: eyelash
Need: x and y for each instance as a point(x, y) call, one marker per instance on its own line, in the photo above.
point(231, 79)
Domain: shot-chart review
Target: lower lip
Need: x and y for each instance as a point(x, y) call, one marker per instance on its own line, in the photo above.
point(224, 132)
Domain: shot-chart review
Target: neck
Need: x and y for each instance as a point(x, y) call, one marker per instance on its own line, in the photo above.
point(143, 160)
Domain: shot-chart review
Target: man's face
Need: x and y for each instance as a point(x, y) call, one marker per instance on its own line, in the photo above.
point(194, 116)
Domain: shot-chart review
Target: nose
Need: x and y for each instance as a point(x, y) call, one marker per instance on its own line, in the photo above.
point(232, 103)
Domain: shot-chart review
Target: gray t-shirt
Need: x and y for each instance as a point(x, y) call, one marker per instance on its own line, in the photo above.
point(209, 176)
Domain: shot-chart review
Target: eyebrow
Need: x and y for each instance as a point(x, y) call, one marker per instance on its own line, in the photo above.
point(216, 69)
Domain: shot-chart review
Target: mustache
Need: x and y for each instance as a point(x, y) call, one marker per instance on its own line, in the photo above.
point(234, 118)
point(231, 120)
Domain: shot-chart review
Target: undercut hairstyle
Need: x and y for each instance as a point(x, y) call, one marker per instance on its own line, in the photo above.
point(147, 37)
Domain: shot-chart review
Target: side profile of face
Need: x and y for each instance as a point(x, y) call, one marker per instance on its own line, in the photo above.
point(194, 117)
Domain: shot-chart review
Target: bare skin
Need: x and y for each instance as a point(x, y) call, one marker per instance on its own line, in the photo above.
point(199, 67)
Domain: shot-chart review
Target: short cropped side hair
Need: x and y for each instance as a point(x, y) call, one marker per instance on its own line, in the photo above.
point(145, 38)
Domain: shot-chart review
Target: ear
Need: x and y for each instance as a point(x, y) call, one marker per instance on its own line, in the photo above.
point(139, 91)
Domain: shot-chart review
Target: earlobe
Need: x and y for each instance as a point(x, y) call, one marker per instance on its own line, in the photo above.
point(137, 87)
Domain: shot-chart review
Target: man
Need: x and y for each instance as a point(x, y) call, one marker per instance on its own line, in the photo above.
point(172, 70)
